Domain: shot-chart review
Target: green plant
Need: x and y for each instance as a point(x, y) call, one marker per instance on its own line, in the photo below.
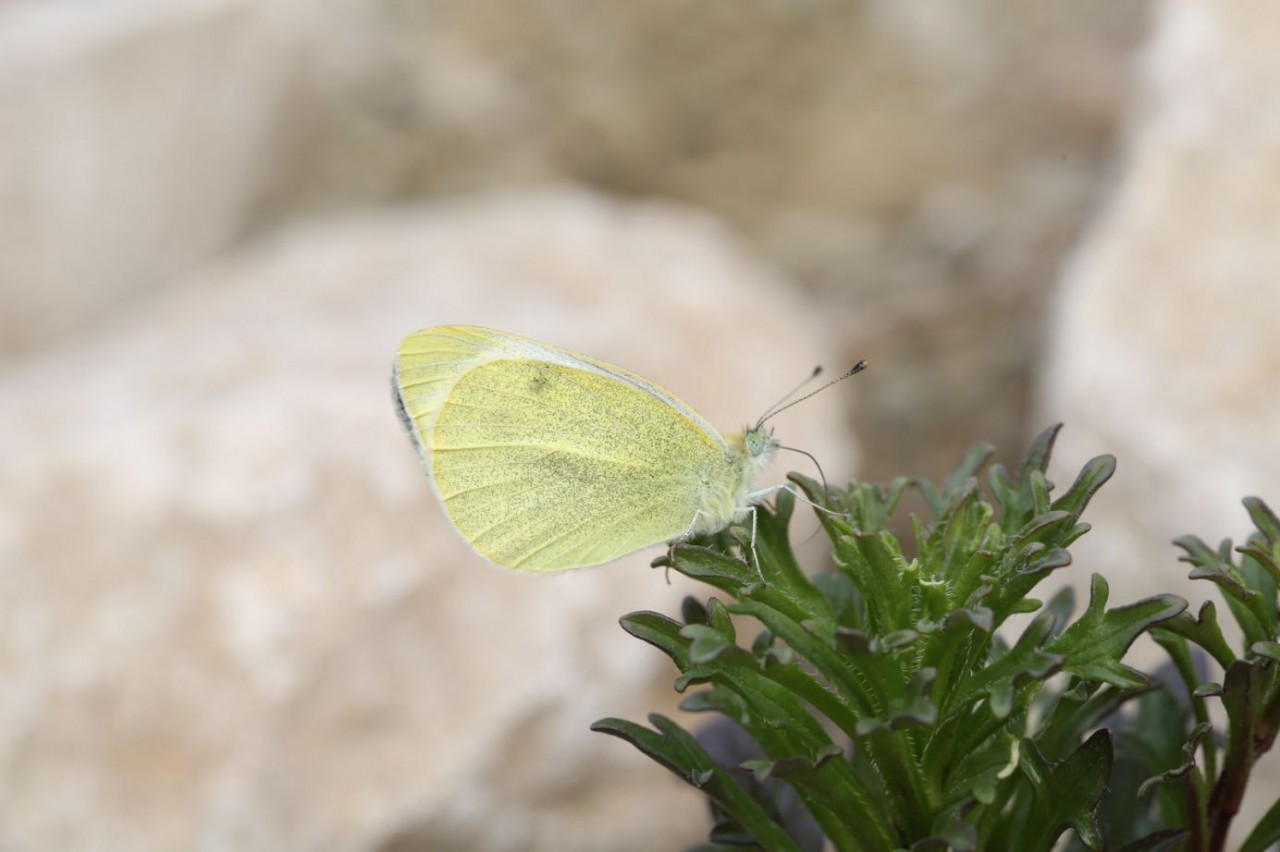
point(901, 703)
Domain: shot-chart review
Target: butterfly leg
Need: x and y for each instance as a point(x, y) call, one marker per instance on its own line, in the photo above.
point(754, 498)
point(692, 526)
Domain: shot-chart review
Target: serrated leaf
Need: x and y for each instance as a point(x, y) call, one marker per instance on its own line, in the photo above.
point(980, 617)
point(1043, 529)
point(843, 600)
point(679, 751)
point(978, 770)
point(1264, 519)
point(1025, 606)
point(1060, 606)
point(719, 620)
point(1246, 605)
point(763, 643)
point(1041, 450)
point(848, 682)
point(1024, 573)
point(1092, 477)
point(876, 572)
point(1067, 793)
point(898, 639)
point(659, 631)
point(1001, 483)
point(776, 561)
point(827, 786)
point(1270, 650)
point(1081, 709)
point(692, 611)
point(913, 708)
point(962, 475)
point(1241, 697)
point(791, 767)
point(1015, 491)
point(1256, 550)
point(1255, 612)
point(707, 643)
point(1198, 552)
point(716, 699)
point(778, 721)
point(1040, 486)
point(1027, 659)
point(1184, 770)
point(1050, 559)
point(730, 575)
point(1096, 642)
point(1204, 631)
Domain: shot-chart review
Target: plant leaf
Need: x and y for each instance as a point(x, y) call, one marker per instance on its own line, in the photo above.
point(1095, 643)
point(678, 750)
point(1067, 792)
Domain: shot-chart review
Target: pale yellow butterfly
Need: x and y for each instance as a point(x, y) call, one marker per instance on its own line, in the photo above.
point(546, 460)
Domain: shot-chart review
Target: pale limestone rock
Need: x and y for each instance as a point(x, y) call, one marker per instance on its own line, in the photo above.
point(924, 167)
point(134, 140)
point(1165, 349)
point(235, 618)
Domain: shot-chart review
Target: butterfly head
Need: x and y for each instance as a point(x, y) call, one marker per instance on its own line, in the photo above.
point(760, 445)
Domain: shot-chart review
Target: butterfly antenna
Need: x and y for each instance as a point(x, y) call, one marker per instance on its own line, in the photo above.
point(782, 404)
point(771, 410)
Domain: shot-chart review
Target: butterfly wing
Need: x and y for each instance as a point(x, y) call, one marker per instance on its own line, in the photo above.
point(545, 460)
point(432, 360)
point(428, 365)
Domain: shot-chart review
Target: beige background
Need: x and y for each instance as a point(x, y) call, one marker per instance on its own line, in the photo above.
point(232, 616)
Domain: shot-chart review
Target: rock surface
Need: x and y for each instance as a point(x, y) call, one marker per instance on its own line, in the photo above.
point(923, 169)
point(135, 141)
point(235, 618)
point(1166, 351)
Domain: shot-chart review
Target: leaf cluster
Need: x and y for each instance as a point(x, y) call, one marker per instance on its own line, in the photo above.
point(917, 697)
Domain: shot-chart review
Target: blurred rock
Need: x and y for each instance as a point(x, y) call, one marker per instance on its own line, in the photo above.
point(234, 618)
point(1165, 350)
point(135, 139)
point(923, 168)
